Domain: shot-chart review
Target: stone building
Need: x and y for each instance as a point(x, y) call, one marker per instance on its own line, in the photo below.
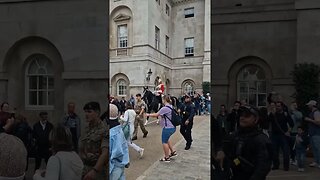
point(170, 38)
point(256, 44)
point(52, 52)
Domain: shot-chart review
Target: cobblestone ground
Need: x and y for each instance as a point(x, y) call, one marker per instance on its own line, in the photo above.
point(192, 164)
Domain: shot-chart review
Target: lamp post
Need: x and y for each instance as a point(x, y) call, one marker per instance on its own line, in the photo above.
point(148, 75)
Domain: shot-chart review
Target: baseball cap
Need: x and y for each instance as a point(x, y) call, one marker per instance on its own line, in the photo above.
point(312, 103)
point(248, 110)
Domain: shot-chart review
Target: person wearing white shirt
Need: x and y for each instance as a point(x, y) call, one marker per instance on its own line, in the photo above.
point(129, 117)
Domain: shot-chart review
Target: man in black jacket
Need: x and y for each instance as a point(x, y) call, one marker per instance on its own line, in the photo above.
point(187, 110)
point(233, 117)
point(280, 135)
point(41, 132)
point(249, 151)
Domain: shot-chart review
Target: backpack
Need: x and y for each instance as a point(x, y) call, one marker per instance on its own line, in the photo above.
point(175, 117)
point(126, 130)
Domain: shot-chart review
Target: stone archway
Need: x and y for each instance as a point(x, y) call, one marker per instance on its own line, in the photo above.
point(15, 65)
point(240, 65)
point(116, 81)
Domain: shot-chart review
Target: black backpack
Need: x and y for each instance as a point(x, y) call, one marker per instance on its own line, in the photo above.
point(176, 118)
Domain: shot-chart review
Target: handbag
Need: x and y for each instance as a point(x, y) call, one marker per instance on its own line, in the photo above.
point(126, 129)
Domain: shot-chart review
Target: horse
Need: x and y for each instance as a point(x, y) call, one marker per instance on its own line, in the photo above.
point(152, 101)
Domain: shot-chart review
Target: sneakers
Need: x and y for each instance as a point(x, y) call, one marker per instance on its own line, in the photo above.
point(301, 170)
point(313, 164)
point(146, 123)
point(295, 163)
point(141, 152)
point(165, 159)
point(145, 134)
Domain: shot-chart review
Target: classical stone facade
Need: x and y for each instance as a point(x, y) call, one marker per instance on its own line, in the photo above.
point(256, 44)
point(51, 53)
point(169, 37)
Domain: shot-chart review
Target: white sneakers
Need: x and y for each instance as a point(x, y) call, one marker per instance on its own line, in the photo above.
point(313, 164)
point(141, 152)
point(294, 163)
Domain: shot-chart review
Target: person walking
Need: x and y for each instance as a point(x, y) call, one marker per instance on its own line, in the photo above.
point(249, 151)
point(280, 135)
point(187, 111)
point(128, 119)
point(167, 128)
point(314, 131)
point(65, 164)
point(118, 148)
point(73, 122)
point(93, 144)
point(139, 108)
point(41, 132)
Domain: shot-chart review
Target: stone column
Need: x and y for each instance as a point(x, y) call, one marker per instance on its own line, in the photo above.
point(207, 42)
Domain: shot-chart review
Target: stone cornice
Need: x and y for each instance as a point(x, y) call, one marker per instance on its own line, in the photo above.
point(179, 2)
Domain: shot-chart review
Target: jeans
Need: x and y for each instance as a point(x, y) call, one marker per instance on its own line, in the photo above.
point(280, 141)
point(301, 157)
point(117, 173)
point(315, 144)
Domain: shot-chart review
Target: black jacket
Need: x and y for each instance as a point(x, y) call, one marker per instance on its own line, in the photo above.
point(24, 132)
point(233, 120)
point(187, 111)
point(282, 120)
point(253, 150)
point(42, 136)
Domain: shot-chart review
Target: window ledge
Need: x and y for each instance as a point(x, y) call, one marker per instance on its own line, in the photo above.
point(40, 108)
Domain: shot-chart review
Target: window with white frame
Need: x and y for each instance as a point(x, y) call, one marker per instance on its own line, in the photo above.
point(167, 10)
point(189, 46)
point(39, 82)
point(122, 36)
point(157, 38)
point(252, 86)
point(189, 12)
point(188, 87)
point(167, 45)
point(121, 88)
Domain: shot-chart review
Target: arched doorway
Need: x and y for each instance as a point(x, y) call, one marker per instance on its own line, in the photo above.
point(120, 85)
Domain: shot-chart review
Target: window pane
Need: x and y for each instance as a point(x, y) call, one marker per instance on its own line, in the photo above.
point(50, 98)
point(122, 31)
point(262, 100)
point(189, 43)
point(262, 87)
point(51, 83)
point(32, 82)
point(33, 97)
point(42, 97)
point(252, 99)
point(42, 82)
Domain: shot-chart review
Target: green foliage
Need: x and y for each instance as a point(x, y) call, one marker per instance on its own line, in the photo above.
point(206, 87)
point(306, 80)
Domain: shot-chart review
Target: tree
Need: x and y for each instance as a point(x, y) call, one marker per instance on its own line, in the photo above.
point(306, 82)
point(206, 87)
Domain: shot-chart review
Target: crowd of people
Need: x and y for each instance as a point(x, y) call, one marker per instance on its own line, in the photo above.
point(126, 116)
point(248, 139)
point(69, 154)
